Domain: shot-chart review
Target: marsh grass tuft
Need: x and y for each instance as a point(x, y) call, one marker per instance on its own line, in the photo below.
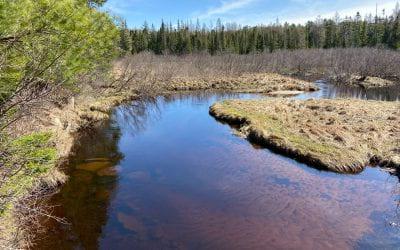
point(338, 135)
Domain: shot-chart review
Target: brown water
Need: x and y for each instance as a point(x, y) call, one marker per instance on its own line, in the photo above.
point(166, 175)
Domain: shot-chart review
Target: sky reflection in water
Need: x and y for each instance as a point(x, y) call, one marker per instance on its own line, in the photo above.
point(169, 176)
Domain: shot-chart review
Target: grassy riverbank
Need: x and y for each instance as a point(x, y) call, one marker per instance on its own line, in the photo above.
point(338, 135)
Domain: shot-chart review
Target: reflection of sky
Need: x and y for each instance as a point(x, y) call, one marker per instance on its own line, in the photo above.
point(186, 179)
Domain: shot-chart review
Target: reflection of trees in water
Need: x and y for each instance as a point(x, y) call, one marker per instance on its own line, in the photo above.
point(381, 94)
point(201, 96)
point(85, 199)
point(136, 116)
point(103, 140)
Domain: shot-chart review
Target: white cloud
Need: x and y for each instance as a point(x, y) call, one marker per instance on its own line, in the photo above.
point(121, 7)
point(364, 9)
point(224, 8)
point(301, 11)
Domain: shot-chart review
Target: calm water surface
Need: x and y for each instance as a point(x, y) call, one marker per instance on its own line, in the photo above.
point(166, 175)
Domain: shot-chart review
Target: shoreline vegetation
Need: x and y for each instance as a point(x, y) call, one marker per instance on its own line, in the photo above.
point(340, 135)
point(51, 91)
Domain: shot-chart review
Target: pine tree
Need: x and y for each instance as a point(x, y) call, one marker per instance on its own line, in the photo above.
point(328, 33)
point(125, 40)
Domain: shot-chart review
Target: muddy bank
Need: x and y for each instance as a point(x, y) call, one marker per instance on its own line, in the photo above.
point(338, 135)
point(245, 83)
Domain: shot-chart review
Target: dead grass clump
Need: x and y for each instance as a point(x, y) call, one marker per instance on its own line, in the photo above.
point(369, 81)
point(338, 135)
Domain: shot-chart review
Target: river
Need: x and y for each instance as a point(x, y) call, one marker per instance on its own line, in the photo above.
point(164, 174)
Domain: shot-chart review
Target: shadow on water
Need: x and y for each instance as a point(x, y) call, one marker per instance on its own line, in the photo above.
point(162, 174)
point(137, 115)
point(85, 198)
point(332, 91)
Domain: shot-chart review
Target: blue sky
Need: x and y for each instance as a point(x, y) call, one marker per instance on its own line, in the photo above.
point(246, 12)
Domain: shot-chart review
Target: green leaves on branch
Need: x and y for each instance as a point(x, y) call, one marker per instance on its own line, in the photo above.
point(37, 152)
point(96, 2)
point(22, 161)
point(51, 42)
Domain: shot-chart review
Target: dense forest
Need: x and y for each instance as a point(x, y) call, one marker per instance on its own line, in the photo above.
point(185, 37)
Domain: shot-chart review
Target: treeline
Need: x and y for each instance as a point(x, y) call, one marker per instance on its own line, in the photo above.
point(184, 38)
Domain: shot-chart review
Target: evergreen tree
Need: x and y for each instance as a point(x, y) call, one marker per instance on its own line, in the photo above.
point(328, 33)
point(125, 42)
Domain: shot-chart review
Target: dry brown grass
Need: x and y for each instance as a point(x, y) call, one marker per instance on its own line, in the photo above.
point(338, 135)
point(255, 83)
point(336, 64)
point(369, 82)
point(158, 74)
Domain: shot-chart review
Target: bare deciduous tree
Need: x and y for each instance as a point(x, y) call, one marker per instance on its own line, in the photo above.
point(147, 69)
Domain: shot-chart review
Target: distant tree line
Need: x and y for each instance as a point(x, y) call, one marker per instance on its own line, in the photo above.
point(186, 37)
